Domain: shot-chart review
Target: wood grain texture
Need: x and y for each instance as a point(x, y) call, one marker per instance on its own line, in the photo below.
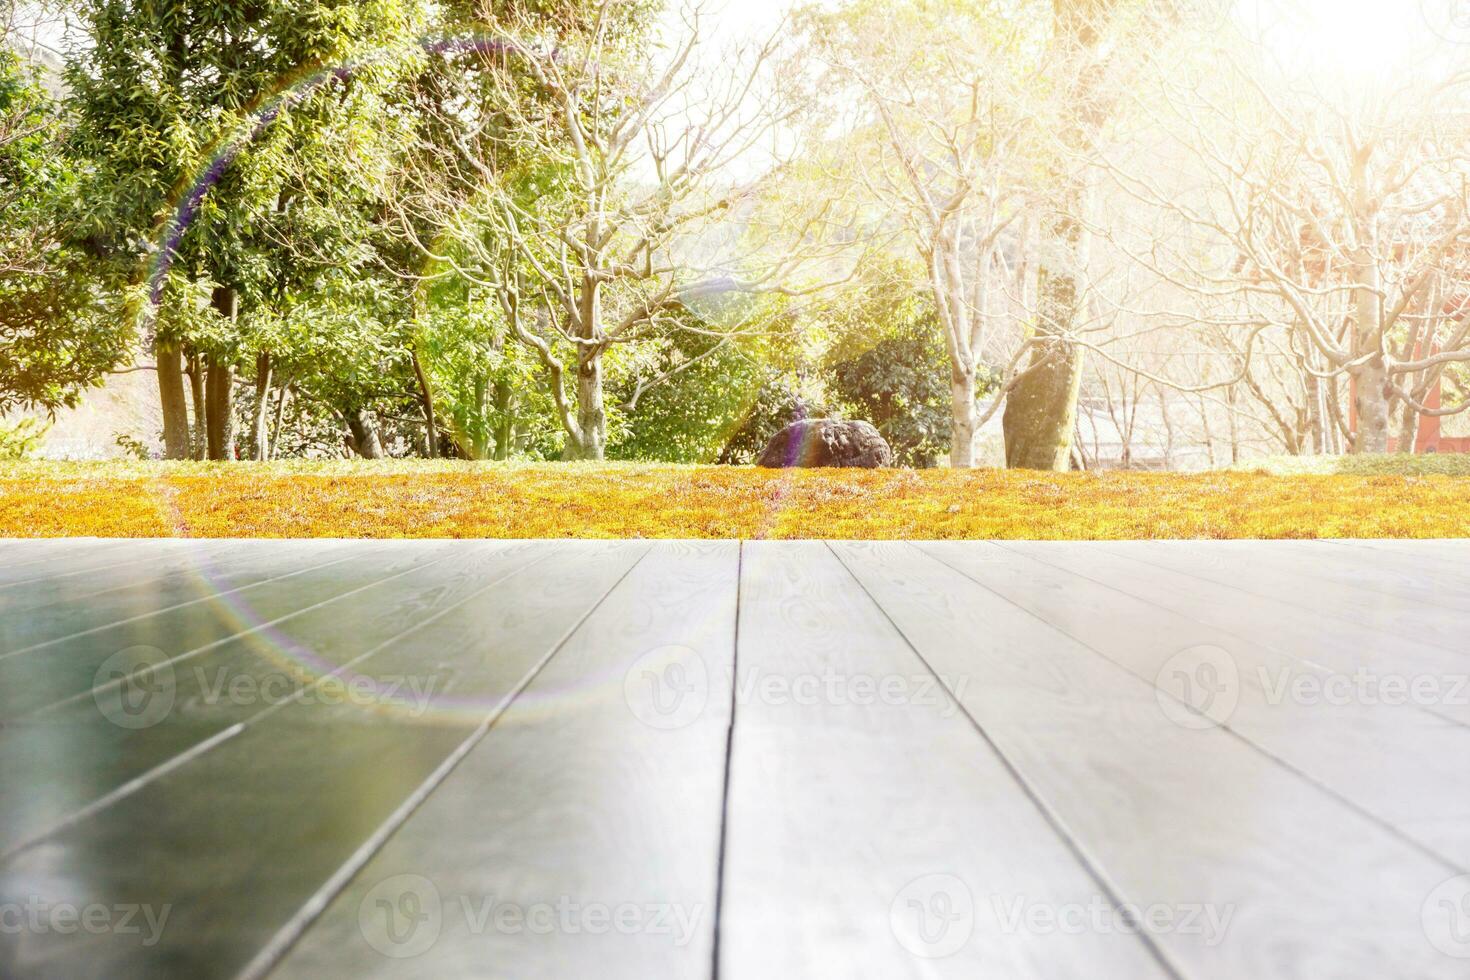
point(1175, 817)
point(111, 559)
point(1293, 678)
point(313, 781)
point(597, 816)
point(175, 577)
point(795, 759)
point(859, 822)
point(235, 684)
point(49, 676)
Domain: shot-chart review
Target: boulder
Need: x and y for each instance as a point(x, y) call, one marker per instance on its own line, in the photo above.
point(826, 442)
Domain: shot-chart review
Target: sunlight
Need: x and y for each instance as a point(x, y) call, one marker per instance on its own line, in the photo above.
point(1360, 43)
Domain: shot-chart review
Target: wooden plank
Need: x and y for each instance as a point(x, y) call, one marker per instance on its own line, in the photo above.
point(174, 579)
point(240, 837)
point(29, 553)
point(106, 751)
point(879, 835)
point(1303, 580)
point(112, 558)
point(572, 807)
point(1446, 562)
point(1400, 762)
point(1342, 627)
point(1451, 555)
point(1175, 817)
point(47, 677)
point(1317, 571)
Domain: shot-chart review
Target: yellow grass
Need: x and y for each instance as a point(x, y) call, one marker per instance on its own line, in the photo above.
point(557, 500)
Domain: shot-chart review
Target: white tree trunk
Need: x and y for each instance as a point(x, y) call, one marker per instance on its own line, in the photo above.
point(963, 414)
point(591, 415)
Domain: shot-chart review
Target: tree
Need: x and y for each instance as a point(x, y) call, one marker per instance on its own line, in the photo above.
point(167, 96)
point(887, 364)
point(54, 341)
point(590, 191)
point(1340, 224)
point(943, 142)
point(1096, 47)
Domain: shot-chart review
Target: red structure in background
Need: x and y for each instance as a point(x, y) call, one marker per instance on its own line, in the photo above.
point(1429, 439)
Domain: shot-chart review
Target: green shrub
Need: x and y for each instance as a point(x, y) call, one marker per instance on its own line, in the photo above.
point(19, 440)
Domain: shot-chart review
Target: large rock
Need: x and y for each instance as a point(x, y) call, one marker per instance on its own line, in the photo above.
point(826, 442)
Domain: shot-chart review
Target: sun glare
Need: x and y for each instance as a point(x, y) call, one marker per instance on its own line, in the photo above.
point(1360, 42)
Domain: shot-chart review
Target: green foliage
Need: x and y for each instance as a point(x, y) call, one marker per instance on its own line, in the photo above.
point(131, 446)
point(1384, 464)
point(54, 339)
point(890, 367)
point(713, 385)
point(18, 440)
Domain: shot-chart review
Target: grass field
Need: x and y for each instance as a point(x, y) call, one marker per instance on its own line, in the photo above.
point(555, 500)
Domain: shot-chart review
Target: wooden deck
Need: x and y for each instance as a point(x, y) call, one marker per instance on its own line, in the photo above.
point(770, 760)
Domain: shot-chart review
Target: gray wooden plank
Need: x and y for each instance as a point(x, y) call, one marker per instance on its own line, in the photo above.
point(1442, 559)
point(163, 558)
point(1341, 626)
point(236, 840)
point(173, 579)
point(1400, 762)
point(112, 557)
point(1451, 555)
point(1312, 572)
point(878, 834)
point(47, 677)
point(30, 553)
point(1304, 580)
point(104, 751)
point(573, 804)
point(1176, 817)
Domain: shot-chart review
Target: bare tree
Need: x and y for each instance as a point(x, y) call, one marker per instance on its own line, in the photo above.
point(599, 197)
point(939, 137)
point(1341, 222)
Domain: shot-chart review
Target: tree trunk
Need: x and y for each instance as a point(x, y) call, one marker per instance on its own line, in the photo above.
point(1408, 430)
point(1371, 396)
point(260, 424)
point(591, 416)
point(219, 393)
point(504, 420)
point(1371, 401)
point(1313, 390)
point(426, 398)
point(219, 400)
point(962, 424)
point(364, 429)
point(280, 413)
point(171, 399)
point(480, 437)
point(201, 411)
point(1041, 408)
